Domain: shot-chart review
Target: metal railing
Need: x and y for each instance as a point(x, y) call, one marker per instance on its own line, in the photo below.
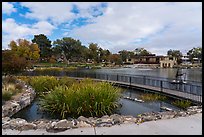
point(191, 89)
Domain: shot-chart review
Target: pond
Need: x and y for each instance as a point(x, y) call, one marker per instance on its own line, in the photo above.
point(194, 74)
point(129, 107)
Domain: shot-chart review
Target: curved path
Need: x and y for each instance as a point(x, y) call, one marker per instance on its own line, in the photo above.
point(191, 125)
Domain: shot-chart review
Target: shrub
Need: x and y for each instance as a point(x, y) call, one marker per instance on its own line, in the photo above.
point(13, 63)
point(86, 98)
point(43, 83)
point(182, 103)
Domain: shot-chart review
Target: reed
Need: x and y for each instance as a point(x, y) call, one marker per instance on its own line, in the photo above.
point(87, 98)
point(43, 83)
point(182, 103)
point(152, 97)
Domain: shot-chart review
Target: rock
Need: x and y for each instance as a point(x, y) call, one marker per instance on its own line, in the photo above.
point(27, 126)
point(41, 125)
point(63, 124)
point(181, 114)
point(117, 119)
point(104, 124)
point(5, 119)
point(6, 126)
point(82, 118)
point(83, 124)
point(149, 118)
point(129, 119)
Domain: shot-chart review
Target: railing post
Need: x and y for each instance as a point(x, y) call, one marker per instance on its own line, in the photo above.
point(144, 80)
point(130, 80)
point(117, 77)
point(161, 85)
point(107, 77)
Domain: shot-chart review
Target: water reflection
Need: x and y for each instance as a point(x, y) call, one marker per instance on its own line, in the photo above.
point(129, 107)
point(133, 108)
point(191, 74)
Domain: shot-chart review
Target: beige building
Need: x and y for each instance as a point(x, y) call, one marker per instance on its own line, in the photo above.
point(163, 61)
point(168, 62)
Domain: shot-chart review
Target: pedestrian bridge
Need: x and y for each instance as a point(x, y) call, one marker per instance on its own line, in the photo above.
point(189, 90)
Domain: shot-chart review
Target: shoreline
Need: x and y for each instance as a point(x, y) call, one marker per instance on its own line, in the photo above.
point(191, 125)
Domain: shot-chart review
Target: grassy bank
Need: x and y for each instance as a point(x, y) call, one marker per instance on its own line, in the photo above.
point(10, 88)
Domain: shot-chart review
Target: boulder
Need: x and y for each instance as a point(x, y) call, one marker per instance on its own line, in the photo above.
point(63, 124)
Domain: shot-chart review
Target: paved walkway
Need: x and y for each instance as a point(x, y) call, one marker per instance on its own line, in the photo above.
point(191, 125)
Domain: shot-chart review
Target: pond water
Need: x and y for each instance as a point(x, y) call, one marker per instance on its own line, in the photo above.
point(129, 107)
point(194, 74)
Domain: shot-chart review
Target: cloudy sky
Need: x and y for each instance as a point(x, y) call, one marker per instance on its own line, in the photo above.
point(156, 26)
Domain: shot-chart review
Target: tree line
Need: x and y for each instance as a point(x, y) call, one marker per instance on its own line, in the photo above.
point(22, 53)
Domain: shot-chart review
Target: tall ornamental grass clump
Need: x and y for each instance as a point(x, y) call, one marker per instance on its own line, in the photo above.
point(182, 103)
point(153, 97)
point(48, 71)
point(46, 83)
point(43, 83)
point(9, 89)
point(66, 81)
point(87, 98)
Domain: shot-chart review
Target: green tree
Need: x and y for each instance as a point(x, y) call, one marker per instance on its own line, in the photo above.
point(141, 52)
point(104, 54)
point(175, 53)
point(116, 59)
point(71, 48)
point(94, 51)
point(45, 46)
point(195, 53)
point(125, 54)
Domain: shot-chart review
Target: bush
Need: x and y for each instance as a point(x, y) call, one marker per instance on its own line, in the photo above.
point(12, 63)
point(43, 83)
point(182, 103)
point(85, 98)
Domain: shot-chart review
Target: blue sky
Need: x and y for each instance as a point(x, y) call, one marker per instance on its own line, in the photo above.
point(116, 26)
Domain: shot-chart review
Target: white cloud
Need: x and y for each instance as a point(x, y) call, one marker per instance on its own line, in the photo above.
point(13, 31)
point(60, 12)
point(56, 12)
point(86, 8)
point(122, 24)
point(8, 8)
